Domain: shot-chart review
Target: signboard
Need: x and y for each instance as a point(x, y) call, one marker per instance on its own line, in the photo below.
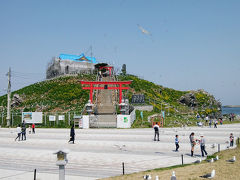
point(163, 114)
point(138, 98)
point(52, 118)
point(32, 117)
point(141, 114)
point(61, 117)
point(125, 120)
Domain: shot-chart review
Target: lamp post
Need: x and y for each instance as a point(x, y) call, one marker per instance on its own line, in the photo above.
point(61, 162)
point(89, 107)
point(123, 107)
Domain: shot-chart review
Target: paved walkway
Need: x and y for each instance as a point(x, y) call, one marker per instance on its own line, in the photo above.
point(99, 153)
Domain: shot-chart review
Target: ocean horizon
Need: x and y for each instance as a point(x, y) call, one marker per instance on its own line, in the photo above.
point(228, 110)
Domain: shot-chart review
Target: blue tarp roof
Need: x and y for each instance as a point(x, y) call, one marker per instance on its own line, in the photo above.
point(77, 58)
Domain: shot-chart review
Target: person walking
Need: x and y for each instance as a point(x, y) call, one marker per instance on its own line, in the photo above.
point(192, 142)
point(206, 120)
point(215, 123)
point(72, 134)
point(33, 128)
point(24, 133)
point(221, 121)
point(231, 139)
point(18, 133)
point(202, 145)
point(29, 129)
point(177, 143)
point(156, 131)
point(210, 123)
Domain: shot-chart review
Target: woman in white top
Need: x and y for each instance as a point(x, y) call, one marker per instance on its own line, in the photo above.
point(18, 133)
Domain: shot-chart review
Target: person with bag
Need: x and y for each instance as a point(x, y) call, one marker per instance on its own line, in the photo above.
point(192, 142)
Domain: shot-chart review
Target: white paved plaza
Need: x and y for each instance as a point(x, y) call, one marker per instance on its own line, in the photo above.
point(99, 153)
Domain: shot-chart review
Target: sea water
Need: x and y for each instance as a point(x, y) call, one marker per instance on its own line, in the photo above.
point(228, 110)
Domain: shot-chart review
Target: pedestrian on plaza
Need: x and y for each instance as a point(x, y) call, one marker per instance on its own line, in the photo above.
point(231, 139)
point(215, 123)
point(72, 134)
point(177, 143)
point(23, 123)
point(221, 121)
point(29, 129)
point(18, 133)
point(202, 145)
point(192, 142)
point(33, 128)
point(156, 131)
point(210, 123)
point(198, 116)
point(23, 132)
point(206, 120)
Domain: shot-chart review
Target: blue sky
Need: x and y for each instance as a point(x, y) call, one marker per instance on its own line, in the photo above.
point(194, 43)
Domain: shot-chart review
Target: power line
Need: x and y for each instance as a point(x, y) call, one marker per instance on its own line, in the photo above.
point(25, 77)
point(27, 73)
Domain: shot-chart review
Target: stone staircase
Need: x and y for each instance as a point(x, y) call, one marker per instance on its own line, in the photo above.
point(106, 116)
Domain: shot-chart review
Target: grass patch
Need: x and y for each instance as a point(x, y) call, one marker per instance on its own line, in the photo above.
point(224, 169)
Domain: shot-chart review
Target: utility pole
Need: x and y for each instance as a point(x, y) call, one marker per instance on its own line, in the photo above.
point(91, 58)
point(9, 98)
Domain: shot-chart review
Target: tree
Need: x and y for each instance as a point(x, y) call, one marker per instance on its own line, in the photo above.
point(124, 69)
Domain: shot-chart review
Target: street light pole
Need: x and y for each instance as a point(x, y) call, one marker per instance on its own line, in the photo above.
point(9, 98)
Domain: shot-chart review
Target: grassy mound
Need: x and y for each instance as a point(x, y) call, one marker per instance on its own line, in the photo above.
point(65, 94)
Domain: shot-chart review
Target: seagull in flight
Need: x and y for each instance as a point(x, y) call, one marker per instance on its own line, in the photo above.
point(144, 31)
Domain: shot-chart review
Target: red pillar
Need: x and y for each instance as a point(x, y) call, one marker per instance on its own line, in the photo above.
point(120, 93)
point(109, 69)
point(91, 93)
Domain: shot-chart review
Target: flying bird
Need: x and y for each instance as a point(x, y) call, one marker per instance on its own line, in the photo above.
point(144, 31)
point(121, 148)
point(209, 175)
point(213, 146)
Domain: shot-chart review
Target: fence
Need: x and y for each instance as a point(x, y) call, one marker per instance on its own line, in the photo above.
point(67, 118)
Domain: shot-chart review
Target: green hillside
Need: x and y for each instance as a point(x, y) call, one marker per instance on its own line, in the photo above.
point(60, 94)
point(167, 98)
point(65, 95)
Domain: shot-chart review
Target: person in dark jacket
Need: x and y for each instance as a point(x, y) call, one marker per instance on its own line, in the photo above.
point(156, 130)
point(23, 132)
point(72, 134)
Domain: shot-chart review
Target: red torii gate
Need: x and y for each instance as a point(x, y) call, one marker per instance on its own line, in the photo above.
point(109, 68)
point(118, 83)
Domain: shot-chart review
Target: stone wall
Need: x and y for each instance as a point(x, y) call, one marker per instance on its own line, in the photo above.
point(144, 108)
point(63, 67)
